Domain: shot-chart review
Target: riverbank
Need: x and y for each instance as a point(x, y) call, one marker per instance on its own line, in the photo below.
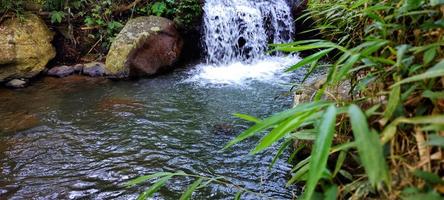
point(385, 140)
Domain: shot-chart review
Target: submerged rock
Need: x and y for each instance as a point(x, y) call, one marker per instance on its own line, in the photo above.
point(16, 83)
point(94, 69)
point(61, 71)
point(223, 129)
point(143, 47)
point(26, 47)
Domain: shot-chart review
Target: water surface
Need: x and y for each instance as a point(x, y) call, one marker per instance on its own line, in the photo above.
point(82, 138)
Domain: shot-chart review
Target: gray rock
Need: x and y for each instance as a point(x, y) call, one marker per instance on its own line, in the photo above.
point(16, 83)
point(94, 69)
point(78, 68)
point(62, 71)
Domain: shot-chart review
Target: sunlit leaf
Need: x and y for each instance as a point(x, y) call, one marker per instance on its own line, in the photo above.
point(154, 188)
point(312, 58)
point(321, 149)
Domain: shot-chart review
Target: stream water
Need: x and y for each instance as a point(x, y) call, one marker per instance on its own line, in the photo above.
point(84, 138)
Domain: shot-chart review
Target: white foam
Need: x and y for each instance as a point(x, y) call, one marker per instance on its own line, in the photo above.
point(268, 69)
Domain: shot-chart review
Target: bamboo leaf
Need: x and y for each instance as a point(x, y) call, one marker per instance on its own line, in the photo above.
point(273, 120)
point(310, 59)
point(154, 188)
point(331, 193)
point(280, 131)
point(369, 148)
point(321, 149)
point(142, 179)
point(394, 98)
point(429, 55)
point(189, 192)
point(436, 71)
point(247, 117)
point(436, 140)
point(339, 162)
point(281, 151)
point(238, 195)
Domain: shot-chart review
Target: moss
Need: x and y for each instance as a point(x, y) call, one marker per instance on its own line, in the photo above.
point(28, 47)
point(130, 38)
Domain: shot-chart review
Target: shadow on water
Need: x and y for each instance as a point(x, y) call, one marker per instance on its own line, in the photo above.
point(80, 138)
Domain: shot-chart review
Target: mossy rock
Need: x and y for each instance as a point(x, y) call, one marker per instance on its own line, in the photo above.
point(145, 45)
point(26, 47)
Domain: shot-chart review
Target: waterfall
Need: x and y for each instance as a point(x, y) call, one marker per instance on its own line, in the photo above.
point(240, 30)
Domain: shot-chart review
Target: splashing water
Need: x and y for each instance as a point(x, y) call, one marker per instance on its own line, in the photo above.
point(236, 36)
point(239, 30)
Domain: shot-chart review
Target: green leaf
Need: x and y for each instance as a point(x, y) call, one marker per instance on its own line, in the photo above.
point(339, 162)
point(431, 178)
point(281, 150)
point(158, 8)
point(143, 179)
point(280, 131)
point(57, 16)
point(273, 120)
point(154, 188)
point(436, 140)
point(369, 148)
point(247, 117)
point(436, 2)
point(321, 149)
point(394, 98)
point(312, 58)
point(435, 71)
point(429, 55)
point(238, 195)
point(411, 5)
point(331, 193)
point(189, 192)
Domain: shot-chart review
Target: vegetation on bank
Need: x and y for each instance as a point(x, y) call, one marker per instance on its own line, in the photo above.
point(386, 139)
point(94, 24)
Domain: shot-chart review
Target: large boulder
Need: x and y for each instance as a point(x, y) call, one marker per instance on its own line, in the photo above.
point(25, 47)
point(145, 46)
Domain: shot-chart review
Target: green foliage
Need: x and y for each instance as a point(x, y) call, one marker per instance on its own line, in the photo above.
point(161, 178)
point(158, 8)
point(106, 17)
point(57, 17)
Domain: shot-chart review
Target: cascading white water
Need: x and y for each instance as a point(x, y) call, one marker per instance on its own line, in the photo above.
point(240, 30)
point(236, 38)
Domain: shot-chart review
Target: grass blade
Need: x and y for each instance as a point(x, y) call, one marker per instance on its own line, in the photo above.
point(189, 192)
point(321, 149)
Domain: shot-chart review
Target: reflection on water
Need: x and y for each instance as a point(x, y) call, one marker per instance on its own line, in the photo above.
point(80, 138)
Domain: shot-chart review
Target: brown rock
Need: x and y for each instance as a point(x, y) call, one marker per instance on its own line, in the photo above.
point(145, 46)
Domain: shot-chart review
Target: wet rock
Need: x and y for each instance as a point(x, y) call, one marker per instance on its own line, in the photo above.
point(26, 48)
point(145, 46)
point(94, 69)
point(78, 69)
point(223, 129)
point(18, 121)
point(62, 71)
point(16, 83)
